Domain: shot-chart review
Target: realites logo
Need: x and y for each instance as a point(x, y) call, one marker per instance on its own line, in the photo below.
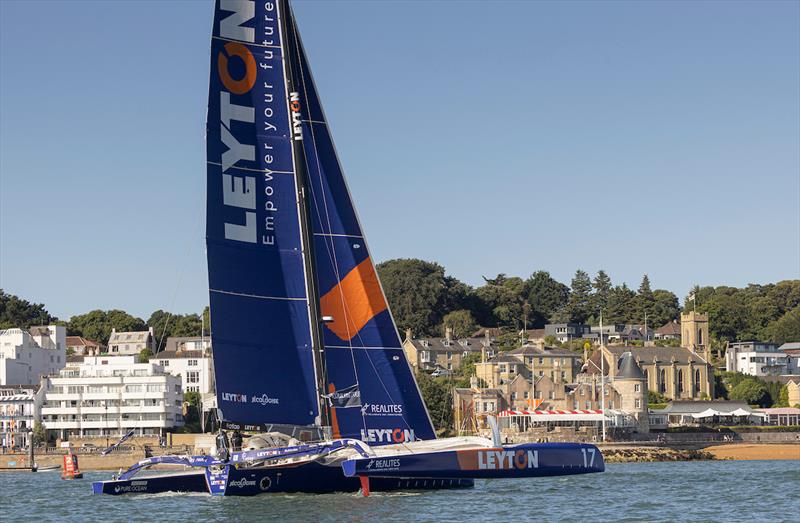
point(508, 459)
point(297, 126)
point(236, 398)
point(383, 464)
point(385, 409)
point(387, 435)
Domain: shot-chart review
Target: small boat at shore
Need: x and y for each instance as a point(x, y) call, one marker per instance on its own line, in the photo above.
point(306, 353)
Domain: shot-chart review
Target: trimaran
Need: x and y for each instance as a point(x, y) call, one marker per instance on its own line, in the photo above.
point(306, 353)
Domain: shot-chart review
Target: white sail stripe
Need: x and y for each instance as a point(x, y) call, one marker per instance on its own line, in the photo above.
point(260, 297)
point(215, 37)
point(338, 235)
point(315, 121)
point(270, 171)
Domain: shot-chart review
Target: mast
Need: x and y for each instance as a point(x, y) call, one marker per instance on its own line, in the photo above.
point(301, 175)
point(602, 378)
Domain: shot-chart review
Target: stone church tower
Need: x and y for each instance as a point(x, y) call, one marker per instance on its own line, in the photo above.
point(694, 333)
point(631, 384)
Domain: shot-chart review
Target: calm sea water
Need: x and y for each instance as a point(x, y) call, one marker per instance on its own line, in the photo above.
point(691, 491)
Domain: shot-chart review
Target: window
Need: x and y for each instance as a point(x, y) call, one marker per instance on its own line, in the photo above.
point(526, 395)
point(638, 403)
point(165, 363)
point(697, 380)
point(680, 381)
point(637, 388)
point(662, 381)
point(588, 404)
point(551, 395)
point(513, 396)
point(192, 363)
point(611, 404)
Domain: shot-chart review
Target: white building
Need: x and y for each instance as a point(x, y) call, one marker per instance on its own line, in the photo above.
point(109, 395)
point(27, 355)
point(20, 409)
point(180, 343)
point(192, 366)
point(759, 359)
point(134, 342)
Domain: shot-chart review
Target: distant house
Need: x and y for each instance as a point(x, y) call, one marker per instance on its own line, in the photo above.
point(185, 343)
point(565, 332)
point(81, 346)
point(429, 354)
point(759, 359)
point(669, 331)
point(559, 365)
point(130, 343)
point(192, 366)
point(793, 387)
point(791, 348)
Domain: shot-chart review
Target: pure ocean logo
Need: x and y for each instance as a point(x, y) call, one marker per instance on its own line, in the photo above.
point(235, 398)
point(265, 400)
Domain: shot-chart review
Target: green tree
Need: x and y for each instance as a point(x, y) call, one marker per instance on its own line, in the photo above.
point(40, 433)
point(97, 324)
point(602, 290)
point(645, 302)
point(545, 296)
point(786, 328)
point(665, 308)
point(750, 391)
point(16, 312)
point(437, 397)
point(462, 323)
point(502, 300)
point(783, 397)
point(580, 296)
point(621, 302)
point(145, 355)
point(416, 291)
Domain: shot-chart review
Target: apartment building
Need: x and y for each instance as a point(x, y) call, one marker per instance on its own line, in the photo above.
point(27, 355)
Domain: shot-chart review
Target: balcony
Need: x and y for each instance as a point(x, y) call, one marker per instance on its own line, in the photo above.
point(62, 397)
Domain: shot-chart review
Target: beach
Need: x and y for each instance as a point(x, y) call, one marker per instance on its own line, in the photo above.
point(750, 451)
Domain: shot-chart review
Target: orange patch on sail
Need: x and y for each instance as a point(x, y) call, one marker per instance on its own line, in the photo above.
point(354, 301)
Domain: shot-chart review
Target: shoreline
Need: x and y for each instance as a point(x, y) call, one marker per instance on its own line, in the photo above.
point(612, 454)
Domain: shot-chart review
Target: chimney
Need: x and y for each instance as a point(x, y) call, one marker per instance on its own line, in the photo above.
point(448, 334)
point(473, 382)
point(408, 334)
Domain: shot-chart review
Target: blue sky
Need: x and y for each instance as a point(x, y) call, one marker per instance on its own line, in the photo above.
point(658, 137)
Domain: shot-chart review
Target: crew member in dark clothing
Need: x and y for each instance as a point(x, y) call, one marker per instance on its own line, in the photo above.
point(236, 441)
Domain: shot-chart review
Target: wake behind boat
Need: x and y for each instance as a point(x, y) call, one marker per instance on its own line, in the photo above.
point(306, 352)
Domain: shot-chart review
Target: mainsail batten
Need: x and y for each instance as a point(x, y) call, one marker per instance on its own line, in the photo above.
point(261, 326)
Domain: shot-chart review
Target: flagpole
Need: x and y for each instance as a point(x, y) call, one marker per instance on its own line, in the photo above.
point(602, 378)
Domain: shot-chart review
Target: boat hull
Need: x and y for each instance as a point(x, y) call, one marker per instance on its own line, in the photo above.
point(312, 478)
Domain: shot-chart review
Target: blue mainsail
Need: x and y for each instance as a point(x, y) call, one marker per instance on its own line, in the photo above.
point(376, 396)
point(259, 300)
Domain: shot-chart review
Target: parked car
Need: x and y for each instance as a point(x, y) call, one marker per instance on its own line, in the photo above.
point(440, 373)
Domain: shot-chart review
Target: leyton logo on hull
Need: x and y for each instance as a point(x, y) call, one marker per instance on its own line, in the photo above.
point(387, 435)
point(297, 125)
point(508, 459)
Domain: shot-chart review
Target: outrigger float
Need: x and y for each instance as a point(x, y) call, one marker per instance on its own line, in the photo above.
point(305, 350)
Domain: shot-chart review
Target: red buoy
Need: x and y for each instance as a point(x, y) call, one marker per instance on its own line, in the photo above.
point(70, 469)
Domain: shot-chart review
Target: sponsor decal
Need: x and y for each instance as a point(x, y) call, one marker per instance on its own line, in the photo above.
point(265, 400)
point(297, 125)
point(243, 482)
point(387, 435)
point(381, 409)
point(135, 486)
point(265, 483)
point(383, 464)
point(344, 398)
point(508, 459)
point(236, 398)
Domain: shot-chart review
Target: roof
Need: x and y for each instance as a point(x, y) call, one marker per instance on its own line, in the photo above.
point(628, 369)
point(671, 328)
point(80, 341)
point(441, 344)
point(791, 345)
point(129, 337)
point(660, 354)
point(531, 350)
point(494, 332)
point(505, 358)
point(75, 358)
point(172, 355)
point(695, 407)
